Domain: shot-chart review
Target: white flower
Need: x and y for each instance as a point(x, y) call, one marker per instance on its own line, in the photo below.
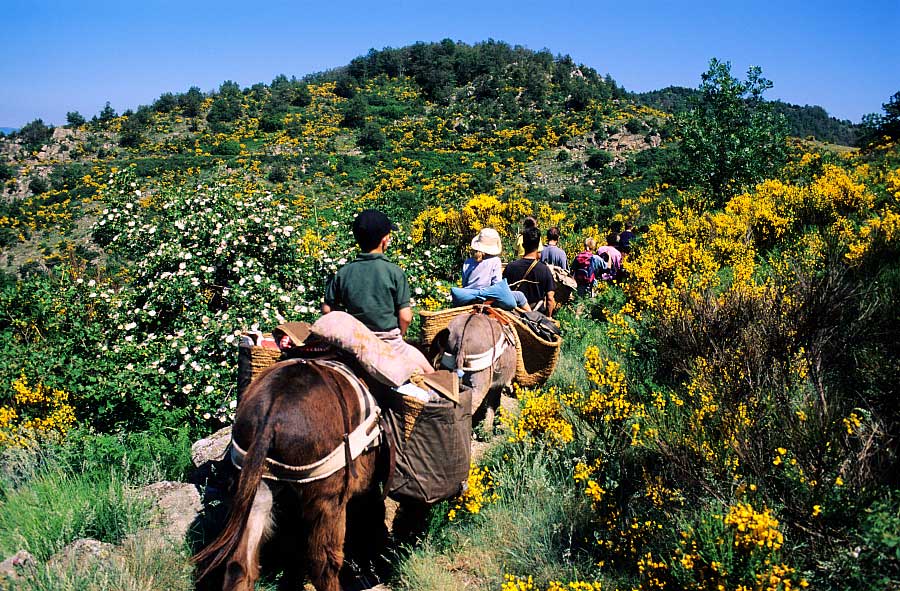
point(208, 389)
point(187, 388)
point(131, 326)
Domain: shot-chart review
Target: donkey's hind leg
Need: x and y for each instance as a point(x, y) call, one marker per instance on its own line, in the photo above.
point(242, 569)
point(326, 542)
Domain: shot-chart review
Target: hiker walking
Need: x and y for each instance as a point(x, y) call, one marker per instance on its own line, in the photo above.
point(528, 222)
point(587, 267)
point(532, 277)
point(552, 253)
point(612, 258)
point(625, 238)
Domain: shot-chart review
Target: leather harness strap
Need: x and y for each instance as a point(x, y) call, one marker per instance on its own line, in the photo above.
point(479, 361)
point(365, 436)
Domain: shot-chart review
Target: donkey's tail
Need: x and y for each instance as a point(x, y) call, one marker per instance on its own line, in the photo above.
point(251, 474)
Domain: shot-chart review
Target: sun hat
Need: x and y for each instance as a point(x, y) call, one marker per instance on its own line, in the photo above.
point(487, 241)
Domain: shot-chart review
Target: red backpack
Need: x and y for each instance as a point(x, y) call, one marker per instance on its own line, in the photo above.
point(582, 269)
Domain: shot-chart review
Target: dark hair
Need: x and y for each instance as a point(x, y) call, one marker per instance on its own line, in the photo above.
point(612, 239)
point(531, 239)
point(615, 227)
point(553, 233)
point(529, 222)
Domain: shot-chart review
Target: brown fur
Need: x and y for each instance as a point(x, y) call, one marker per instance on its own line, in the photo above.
point(292, 414)
point(470, 334)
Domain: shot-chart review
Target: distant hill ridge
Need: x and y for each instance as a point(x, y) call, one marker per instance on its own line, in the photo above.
point(803, 121)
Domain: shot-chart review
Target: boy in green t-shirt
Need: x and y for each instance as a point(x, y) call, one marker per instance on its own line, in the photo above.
point(373, 289)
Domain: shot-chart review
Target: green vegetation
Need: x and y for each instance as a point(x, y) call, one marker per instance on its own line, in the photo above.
point(731, 139)
point(802, 121)
point(724, 415)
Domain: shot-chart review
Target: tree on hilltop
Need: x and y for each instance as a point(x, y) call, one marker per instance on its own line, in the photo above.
point(731, 138)
point(876, 127)
point(35, 134)
point(190, 102)
point(74, 119)
point(107, 113)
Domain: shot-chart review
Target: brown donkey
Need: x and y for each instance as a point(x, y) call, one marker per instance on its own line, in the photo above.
point(298, 421)
point(482, 348)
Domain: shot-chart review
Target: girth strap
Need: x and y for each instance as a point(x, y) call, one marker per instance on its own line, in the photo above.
point(479, 361)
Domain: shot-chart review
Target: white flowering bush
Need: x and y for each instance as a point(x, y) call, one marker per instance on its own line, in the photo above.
point(157, 341)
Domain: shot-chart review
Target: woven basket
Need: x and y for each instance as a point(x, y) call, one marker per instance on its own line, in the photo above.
point(261, 358)
point(434, 321)
point(536, 358)
point(410, 410)
point(252, 360)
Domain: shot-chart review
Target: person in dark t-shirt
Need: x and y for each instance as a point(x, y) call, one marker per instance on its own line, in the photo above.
point(532, 277)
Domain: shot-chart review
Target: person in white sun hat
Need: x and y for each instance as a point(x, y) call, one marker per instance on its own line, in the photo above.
point(483, 268)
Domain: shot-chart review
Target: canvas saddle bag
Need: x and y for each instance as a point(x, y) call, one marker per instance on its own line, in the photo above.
point(432, 435)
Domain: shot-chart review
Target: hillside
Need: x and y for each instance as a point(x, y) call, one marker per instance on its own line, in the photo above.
point(803, 121)
point(723, 414)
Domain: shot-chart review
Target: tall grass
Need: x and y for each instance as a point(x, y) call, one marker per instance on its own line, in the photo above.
point(58, 507)
point(538, 526)
point(140, 565)
point(84, 488)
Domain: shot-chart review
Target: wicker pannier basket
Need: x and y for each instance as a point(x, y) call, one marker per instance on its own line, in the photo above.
point(536, 357)
point(252, 360)
point(434, 321)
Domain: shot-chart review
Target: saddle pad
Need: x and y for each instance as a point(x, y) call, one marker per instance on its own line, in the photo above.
point(383, 362)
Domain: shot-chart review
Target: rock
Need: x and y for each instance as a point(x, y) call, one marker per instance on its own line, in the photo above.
point(60, 133)
point(212, 448)
point(178, 504)
point(16, 565)
point(82, 555)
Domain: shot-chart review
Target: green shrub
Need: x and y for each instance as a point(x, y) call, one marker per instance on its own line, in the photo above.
point(227, 148)
point(38, 185)
point(635, 126)
point(7, 171)
point(371, 138)
point(598, 159)
point(278, 174)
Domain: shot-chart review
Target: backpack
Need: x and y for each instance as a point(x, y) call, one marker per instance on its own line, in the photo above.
point(582, 269)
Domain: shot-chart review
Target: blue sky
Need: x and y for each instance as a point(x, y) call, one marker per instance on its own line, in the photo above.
point(76, 55)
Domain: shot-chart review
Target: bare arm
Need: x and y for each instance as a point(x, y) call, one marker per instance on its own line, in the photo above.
point(404, 317)
point(551, 303)
point(325, 308)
